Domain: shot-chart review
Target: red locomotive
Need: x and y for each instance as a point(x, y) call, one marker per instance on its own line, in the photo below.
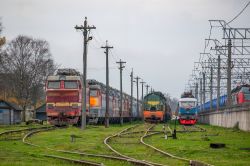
point(241, 94)
point(64, 104)
point(63, 97)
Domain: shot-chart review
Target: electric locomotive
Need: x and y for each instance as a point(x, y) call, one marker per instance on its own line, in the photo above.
point(240, 95)
point(187, 109)
point(64, 100)
point(63, 97)
point(155, 107)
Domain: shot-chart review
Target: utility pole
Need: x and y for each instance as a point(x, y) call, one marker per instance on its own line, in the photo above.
point(131, 96)
point(218, 85)
point(137, 99)
point(121, 96)
point(211, 88)
point(196, 90)
point(147, 86)
point(142, 83)
point(85, 29)
point(142, 95)
point(107, 83)
point(229, 65)
point(201, 108)
point(204, 90)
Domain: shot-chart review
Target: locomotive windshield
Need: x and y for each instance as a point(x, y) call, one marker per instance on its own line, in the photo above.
point(187, 104)
point(93, 93)
point(53, 84)
point(245, 90)
point(152, 107)
point(70, 85)
point(153, 102)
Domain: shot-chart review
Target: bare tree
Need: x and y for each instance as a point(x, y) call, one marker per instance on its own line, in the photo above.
point(172, 102)
point(1, 26)
point(26, 62)
point(2, 39)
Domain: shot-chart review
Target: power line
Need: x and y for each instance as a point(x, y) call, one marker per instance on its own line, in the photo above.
point(239, 13)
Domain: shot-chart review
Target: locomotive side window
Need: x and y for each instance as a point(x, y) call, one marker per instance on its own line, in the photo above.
point(54, 85)
point(70, 85)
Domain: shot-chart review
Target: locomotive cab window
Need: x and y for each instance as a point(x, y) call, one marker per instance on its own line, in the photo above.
point(70, 85)
point(187, 104)
point(93, 93)
point(245, 90)
point(53, 84)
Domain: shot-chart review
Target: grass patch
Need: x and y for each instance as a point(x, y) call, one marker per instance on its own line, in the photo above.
point(193, 146)
point(196, 145)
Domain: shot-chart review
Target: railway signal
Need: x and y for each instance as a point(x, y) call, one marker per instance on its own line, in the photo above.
point(86, 38)
point(107, 83)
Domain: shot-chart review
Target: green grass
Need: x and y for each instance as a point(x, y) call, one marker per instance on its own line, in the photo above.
point(132, 147)
point(193, 146)
point(19, 126)
point(91, 141)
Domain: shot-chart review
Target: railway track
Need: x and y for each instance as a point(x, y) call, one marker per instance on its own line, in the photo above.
point(85, 162)
point(126, 159)
point(136, 161)
point(121, 157)
point(18, 134)
point(149, 132)
point(191, 162)
point(158, 150)
point(75, 161)
point(192, 128)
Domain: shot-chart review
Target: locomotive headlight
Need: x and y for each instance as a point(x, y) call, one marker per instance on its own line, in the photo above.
point(74, 106)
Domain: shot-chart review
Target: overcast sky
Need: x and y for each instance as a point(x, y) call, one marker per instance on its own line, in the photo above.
point(160, 39)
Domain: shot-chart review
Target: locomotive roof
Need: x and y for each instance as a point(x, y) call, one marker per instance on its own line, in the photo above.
point(187, 95)
point(238, 88)
point(63, 77)
point(157, 94)
point(93, 83)
point(68, 72)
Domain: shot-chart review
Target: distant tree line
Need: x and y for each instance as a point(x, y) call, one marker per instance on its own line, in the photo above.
point(25, 63)
point(172, 102)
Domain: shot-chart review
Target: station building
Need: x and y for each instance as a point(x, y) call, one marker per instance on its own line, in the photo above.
point(10, 113)
point(41, 113)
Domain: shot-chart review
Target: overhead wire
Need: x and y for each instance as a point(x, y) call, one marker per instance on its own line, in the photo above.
point(239, 13)
point(115, 56)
